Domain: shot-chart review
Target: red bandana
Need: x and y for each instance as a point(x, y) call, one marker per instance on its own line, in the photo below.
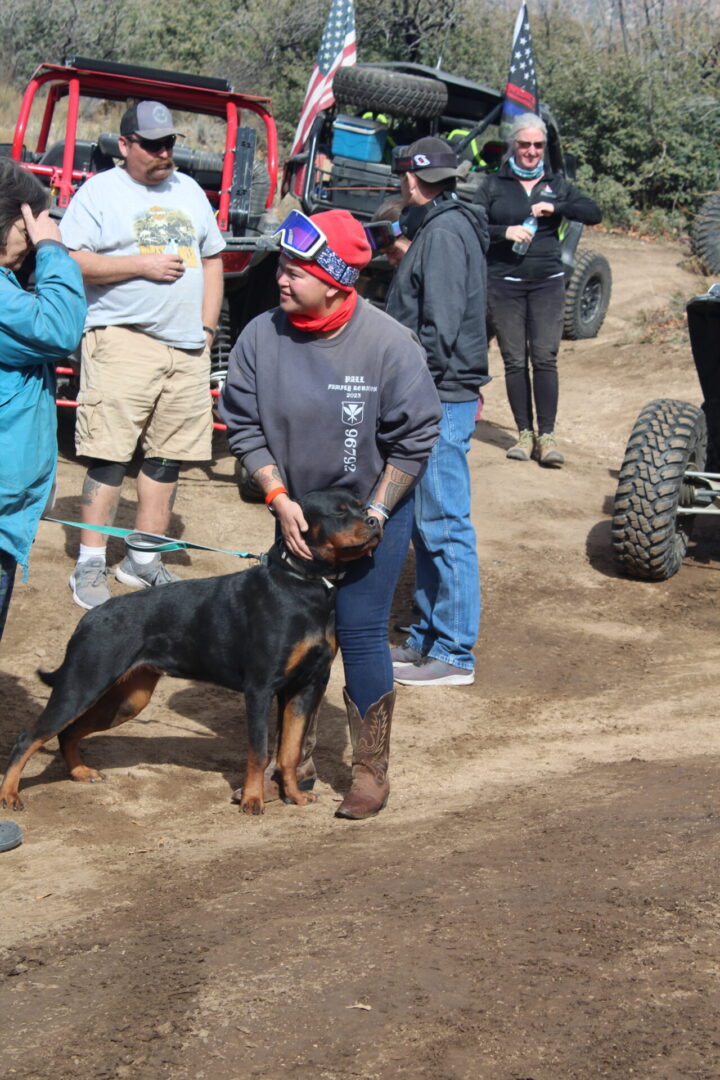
point(315, 324)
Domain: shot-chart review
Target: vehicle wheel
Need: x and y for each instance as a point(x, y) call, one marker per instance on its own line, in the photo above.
point(249, 490)
point(393, 92)
point(587, 296)
point(706, 234)
point(649, 538)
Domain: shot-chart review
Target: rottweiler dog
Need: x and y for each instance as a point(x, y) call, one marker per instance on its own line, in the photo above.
point(268, 631)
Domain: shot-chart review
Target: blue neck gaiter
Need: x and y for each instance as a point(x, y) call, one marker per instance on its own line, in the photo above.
point(526, 174)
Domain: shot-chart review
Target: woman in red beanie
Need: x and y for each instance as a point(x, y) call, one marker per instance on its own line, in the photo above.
point(327, 391)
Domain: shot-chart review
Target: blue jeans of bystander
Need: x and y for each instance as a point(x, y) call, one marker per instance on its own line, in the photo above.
point(447, 592)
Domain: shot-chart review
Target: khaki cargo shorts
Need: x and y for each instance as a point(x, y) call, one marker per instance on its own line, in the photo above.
point(133, 388)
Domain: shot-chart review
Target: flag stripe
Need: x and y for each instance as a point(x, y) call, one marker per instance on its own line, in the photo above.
point(521, 94)
point(337, 49)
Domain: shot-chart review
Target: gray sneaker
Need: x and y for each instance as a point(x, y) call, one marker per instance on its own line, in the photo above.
point(88, 584)
point(144, 577)
point(404, 654)
point(432, 672)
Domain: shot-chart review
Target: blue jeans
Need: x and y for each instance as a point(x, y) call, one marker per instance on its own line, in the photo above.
point(362, 610)
point(447, 581)
point(7, 580)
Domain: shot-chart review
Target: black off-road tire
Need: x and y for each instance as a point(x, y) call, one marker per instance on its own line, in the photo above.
point(391, 92)
point(587, 296)
point(649, 539)
point(705, 234)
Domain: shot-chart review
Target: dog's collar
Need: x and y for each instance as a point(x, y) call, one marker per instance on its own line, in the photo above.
point(301, 568)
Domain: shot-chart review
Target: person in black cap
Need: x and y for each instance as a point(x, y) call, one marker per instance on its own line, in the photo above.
point(439, 292)
point(148, 245)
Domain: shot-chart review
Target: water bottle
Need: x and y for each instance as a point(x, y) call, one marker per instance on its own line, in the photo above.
point(520, 246)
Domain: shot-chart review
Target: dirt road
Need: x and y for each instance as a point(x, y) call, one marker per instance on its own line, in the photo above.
point(539, 900)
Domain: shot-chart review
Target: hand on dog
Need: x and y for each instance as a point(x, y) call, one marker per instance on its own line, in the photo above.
point(293, 525)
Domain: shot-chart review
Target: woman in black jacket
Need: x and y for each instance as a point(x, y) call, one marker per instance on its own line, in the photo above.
point(526, 204)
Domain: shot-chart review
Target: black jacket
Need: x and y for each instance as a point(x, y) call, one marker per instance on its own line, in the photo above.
point(439, 292)
point(507, 203)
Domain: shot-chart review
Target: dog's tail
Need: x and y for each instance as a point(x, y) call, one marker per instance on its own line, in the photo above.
point(48, 677)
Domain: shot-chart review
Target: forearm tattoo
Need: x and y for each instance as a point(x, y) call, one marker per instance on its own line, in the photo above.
point(268, 478)
point(398, 484)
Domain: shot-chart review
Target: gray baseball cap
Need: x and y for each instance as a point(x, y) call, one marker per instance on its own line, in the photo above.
point(149, 120)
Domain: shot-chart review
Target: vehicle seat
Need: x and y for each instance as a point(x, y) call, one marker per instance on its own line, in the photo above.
point(88, 157)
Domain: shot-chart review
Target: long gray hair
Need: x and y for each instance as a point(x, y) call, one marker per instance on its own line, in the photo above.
point(520, 123)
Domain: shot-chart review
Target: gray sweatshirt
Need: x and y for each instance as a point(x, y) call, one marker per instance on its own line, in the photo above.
point(330, 411)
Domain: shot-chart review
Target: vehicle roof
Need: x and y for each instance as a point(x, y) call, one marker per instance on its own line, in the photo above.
point(117, 82)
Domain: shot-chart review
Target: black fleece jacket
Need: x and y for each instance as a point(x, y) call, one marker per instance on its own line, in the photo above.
point(439, 292)
point(507, 203)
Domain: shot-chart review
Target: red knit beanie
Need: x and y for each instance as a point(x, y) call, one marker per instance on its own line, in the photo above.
point(346, 239)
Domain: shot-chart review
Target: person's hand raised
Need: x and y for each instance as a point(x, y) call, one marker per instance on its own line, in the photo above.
point(41, 227)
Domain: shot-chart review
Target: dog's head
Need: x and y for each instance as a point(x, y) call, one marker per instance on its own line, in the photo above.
point(339, 528)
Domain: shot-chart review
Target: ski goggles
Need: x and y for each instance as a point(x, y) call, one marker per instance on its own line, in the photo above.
point(382, 234)
point(302, 239)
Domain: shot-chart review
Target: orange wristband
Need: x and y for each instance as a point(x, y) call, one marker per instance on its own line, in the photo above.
point(274, 494)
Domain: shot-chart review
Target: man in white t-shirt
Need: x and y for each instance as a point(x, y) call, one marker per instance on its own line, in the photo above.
point(148, 246)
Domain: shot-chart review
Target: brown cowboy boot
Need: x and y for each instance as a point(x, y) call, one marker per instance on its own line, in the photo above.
point(370, 737)
point(306, 773)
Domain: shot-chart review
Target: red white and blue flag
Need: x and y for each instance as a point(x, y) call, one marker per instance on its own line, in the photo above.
point(337, 49)
point(521, 93)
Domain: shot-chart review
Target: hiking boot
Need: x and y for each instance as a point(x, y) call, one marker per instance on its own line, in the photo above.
point(432, 672)
point(546, 451)
point(523, 448)
point(146, 576)
point(88, 584)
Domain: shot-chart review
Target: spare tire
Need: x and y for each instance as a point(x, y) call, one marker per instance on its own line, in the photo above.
point(587, 296)
point(394, 92)
point(705, 235)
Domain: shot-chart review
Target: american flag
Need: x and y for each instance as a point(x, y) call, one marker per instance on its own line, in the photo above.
point(521, 94)
point(337, 49)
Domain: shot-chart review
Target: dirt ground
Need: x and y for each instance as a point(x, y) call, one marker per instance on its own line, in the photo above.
point(539, 900)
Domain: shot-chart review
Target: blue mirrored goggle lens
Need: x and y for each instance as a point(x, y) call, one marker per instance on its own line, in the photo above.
point(297, 233)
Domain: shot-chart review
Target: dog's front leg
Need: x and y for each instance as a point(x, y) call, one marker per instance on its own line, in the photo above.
point(297, 712)
point(257, 711)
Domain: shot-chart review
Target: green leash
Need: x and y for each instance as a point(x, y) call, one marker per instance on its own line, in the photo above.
point(140, 541)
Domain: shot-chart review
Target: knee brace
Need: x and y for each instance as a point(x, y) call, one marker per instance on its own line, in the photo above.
point(163, 470)
point(111, 473)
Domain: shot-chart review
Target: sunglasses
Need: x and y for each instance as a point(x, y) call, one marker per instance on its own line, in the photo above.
point(299, 236)
point(153, 146)
point(526, 145)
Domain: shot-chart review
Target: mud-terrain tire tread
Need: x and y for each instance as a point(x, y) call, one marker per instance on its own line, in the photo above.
point(391, 92)
point(649, 539)
point(585, 311)
point(705, 234)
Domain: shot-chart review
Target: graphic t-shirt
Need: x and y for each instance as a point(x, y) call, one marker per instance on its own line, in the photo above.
point(112, 214)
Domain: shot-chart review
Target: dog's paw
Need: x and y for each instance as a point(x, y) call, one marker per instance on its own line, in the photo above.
point(252, 805)
point(83, 774)
point(301, 798)
point(10, 800)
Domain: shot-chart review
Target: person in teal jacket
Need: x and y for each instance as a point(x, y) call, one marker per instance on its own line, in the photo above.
point(36, 330)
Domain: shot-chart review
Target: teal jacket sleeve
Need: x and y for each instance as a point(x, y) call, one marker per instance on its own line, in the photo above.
point(47, 324)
